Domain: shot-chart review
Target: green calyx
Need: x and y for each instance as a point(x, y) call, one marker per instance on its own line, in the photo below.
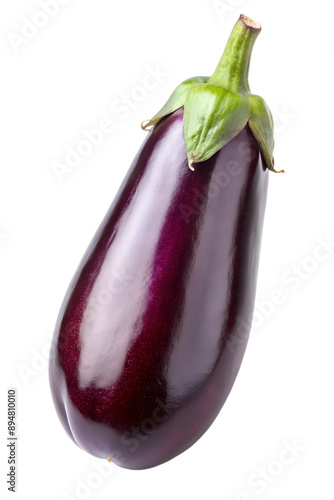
point(216, 109)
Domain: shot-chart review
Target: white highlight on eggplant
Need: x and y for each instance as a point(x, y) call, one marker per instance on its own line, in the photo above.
point(107, 330)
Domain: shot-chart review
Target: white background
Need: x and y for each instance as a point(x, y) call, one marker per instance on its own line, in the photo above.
point(66, 78)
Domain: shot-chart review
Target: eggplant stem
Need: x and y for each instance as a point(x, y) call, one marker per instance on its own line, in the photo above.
point(250, 22)
point(233, 67)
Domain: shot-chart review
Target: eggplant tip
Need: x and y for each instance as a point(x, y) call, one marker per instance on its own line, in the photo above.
point(146, 125)
point(272, 168)
point(277, 171)
point(191, 162)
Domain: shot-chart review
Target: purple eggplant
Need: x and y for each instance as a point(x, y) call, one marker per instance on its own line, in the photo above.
point(154, 325)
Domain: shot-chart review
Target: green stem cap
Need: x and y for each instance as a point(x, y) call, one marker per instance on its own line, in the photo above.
point(216, 109)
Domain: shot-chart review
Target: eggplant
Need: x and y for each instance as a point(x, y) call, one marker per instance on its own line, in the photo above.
point(154, 325)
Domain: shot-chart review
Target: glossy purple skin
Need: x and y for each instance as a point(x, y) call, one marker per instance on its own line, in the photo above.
point(153, 329)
